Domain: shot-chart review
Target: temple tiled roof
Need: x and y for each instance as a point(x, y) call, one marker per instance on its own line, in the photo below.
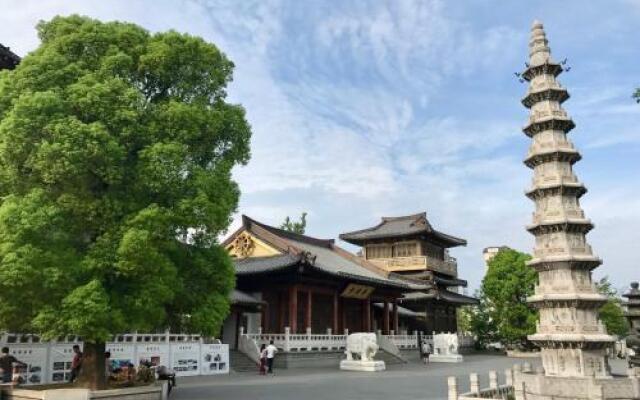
point(446, 295)
point(238, 297)
point(319, 254)
point(405, 312)
point(398, 227)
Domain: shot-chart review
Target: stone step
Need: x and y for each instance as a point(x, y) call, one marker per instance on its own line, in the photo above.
point(239, 362)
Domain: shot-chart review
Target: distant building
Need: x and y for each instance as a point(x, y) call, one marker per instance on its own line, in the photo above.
point(489, 252)
point(8, 59)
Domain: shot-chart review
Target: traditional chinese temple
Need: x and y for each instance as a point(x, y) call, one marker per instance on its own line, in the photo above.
point(306, 283)
point(404, 281)
point(410, 247)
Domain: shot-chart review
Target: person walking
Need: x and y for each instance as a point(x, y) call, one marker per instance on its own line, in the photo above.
point(426, 352)
point(6, 365)
point(271, 353)
point(263, 359)
point(76, 364)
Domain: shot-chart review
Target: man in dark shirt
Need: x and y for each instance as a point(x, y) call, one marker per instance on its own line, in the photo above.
point(6, 365)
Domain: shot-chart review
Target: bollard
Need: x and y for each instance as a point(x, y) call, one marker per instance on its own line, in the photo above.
point(474, 383)
point(452, 383)
point(493, 379)
point(508, 377)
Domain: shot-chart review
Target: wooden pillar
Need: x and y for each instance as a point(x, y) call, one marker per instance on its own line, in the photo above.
point(396, 321)
point(366, 310)
point(336, 328)
point(308, 308)
point(282, 312)
point(293, 308)
point(343, 311)
point(264, 323)
point(385, 318)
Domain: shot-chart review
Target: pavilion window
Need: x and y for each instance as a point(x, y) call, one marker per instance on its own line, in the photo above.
point(379, 251)
point(404, 250)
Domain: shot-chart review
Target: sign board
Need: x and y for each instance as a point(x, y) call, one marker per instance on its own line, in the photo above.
point(122, 354)
point(355, 291)
point(185, 359)
point(60, 358)
point(35, 356)
point(214, 359)
point(156, 353)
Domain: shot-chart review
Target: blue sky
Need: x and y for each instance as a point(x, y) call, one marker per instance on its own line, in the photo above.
point(362, 109)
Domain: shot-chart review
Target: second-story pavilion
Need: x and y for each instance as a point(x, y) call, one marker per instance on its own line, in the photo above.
point(411, 247)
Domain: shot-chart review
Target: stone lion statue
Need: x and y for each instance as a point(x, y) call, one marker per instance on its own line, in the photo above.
point(362, 346)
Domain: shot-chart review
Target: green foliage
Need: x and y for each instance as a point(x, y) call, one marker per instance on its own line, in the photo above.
point(295, 227)
point(116, 148)
point(480, 322)
point(611, 313)
point(636, 95)
point(503, 314)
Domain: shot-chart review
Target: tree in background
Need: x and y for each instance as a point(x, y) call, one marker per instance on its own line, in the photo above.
point(503, 314)
point(611, 313)
point(116, 150)
point(295, 227)
point(636, 95)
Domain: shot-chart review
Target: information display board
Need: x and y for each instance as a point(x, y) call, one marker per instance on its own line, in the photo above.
point(35, 356)
point(60, 357)
point(156, 353)
point(214, 359)
point(185, 359)
point(122, 354)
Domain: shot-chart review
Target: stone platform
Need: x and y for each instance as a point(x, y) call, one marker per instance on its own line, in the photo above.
point(364, 366)
point(446, 358)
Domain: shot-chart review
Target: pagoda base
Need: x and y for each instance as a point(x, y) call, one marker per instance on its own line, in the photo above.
point(537, 386)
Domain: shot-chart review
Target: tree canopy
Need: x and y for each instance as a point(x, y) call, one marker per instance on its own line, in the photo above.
point(611, 313)
point(503, 314)
point(116, 150)
point(296, 227)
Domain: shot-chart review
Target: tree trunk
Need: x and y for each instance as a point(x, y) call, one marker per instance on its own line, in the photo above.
point(92, 373)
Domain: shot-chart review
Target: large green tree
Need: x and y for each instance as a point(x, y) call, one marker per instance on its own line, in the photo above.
point(116, 150)
point(504, 314)
point(611, 313)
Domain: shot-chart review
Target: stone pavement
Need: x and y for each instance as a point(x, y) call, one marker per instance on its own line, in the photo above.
point(411, 381)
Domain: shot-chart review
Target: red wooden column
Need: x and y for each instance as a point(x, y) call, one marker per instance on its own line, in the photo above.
point(282, 311)
point(293, 308)
point(308, 308)
point(265, 313)
point(385, 318)
point(396, 322)
point(335, 313)
point(366, 311)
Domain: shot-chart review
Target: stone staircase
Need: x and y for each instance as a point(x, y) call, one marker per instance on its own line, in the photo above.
point(240, 362)
point(390, 358)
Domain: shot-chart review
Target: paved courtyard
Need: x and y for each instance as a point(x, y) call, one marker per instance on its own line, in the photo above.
point(400, 382)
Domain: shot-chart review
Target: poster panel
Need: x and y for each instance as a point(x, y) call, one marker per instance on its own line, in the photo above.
point(156, 353)
point(214, 359)
point(35, 356)
point(122, 354)
point(60, 359)
point(185, 358)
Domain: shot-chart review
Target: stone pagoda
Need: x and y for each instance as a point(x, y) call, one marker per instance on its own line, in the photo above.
point(572, 339)
point(633, 316)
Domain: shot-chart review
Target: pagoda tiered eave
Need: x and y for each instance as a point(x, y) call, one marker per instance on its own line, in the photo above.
point(555, 93)
point(574, 261)
point(548, 122)
point(549, 67)
point(567, 154)
point(579, 300)
point(581, 225)
point(560, 187)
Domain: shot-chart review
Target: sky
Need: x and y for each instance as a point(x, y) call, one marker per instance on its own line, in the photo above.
point(362, 109)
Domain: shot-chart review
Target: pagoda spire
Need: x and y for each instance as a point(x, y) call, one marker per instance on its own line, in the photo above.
point(572, 339)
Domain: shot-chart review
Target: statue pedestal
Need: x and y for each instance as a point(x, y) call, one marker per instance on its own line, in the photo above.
point(446, 358)
point(365, 366)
